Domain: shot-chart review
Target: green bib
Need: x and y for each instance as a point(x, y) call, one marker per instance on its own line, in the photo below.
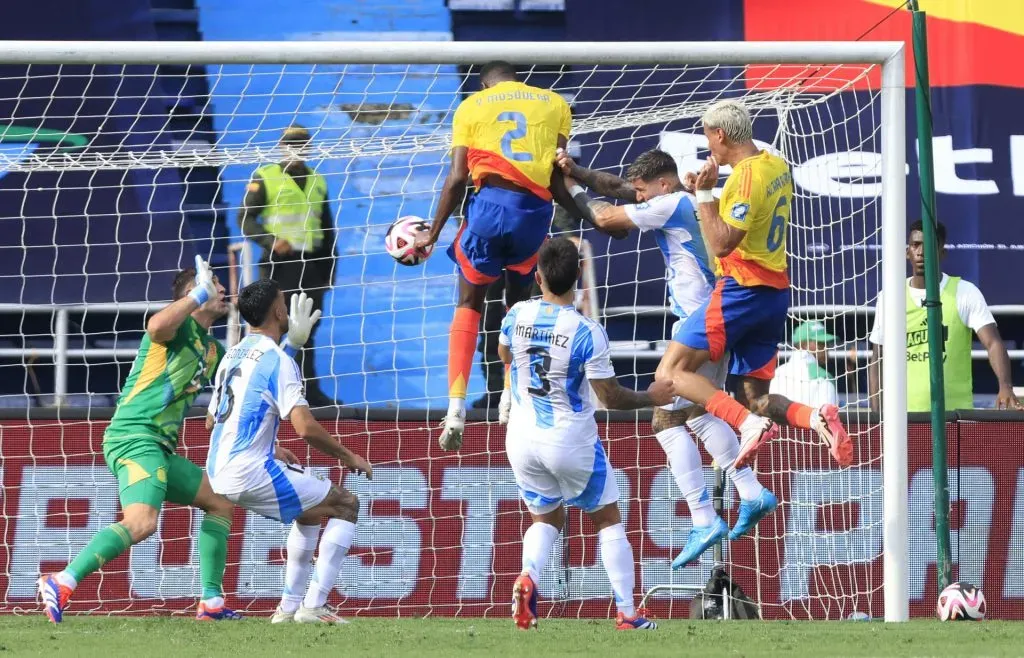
point(957, 360)
point(293, 213)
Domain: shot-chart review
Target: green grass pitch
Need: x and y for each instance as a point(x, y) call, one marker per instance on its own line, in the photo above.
point(106, 637)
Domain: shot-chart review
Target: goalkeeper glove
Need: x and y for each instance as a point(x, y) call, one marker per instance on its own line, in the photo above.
point(505, 402)
point(301, 319)
point(204, 289)
point(504, 406)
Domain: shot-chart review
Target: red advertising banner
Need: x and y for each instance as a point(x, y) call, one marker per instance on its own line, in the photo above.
point(440, 533)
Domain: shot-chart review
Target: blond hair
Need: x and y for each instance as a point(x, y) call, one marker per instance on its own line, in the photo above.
point(733, 118)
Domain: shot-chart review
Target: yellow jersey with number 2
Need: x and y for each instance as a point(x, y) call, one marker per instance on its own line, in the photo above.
point(757, 199)
point(511, 130)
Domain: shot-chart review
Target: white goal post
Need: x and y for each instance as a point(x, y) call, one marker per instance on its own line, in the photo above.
point(886, 57)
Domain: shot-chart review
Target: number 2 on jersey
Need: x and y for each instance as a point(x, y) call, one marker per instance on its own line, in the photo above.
point(777, 230)
point(516, 132)
point(540, 364)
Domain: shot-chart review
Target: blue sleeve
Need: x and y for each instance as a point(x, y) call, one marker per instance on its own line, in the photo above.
point(287, 347)
point(582, 344)
point(599, 361)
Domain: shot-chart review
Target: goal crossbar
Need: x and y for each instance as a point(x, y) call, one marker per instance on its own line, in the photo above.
point(447, 52)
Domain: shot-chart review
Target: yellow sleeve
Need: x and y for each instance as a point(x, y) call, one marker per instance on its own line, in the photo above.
point(741, 194)
point(565, 125)
point(462, 129)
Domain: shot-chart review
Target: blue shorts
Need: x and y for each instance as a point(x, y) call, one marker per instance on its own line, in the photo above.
point(748, 321)
point(503, 230)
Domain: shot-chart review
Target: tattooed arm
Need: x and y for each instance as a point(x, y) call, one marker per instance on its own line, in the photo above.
point(600, 182)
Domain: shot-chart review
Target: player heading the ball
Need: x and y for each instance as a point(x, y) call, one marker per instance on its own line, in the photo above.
point(748, 310)
point(555, 356)
point(504, 137)
point(256, 386)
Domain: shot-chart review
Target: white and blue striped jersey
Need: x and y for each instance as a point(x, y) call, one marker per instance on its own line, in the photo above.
point(256, 385)
point(555, 350)
point(673, 217)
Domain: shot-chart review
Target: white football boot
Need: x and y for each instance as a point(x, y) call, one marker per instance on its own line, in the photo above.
point(321, 615)
point(282, 617)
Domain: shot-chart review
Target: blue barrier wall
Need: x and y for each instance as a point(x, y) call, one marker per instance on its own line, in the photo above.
point(119, 235)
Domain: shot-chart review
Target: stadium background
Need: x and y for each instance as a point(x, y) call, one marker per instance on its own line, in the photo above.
point(979, 167)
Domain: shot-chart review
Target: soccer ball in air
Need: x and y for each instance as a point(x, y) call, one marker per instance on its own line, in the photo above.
point(401, 236)
point(960, 602)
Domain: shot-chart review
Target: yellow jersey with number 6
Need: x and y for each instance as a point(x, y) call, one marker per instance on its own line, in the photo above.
point(511, 130)
point(757, 199)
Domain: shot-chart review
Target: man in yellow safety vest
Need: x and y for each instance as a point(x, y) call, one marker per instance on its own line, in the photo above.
point(286, 212)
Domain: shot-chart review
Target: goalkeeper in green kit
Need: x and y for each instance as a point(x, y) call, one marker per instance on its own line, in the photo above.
point(176, 360)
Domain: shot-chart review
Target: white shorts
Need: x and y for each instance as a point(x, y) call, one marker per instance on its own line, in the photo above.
point(549, 474)
point(286, 492)
point(714, 371)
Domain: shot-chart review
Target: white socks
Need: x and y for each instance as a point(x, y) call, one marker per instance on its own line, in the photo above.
point(751, 426)
point(301, 544)
point(334, 547)
point(617, 557)
point(815, 418)
point(721, 443)
point(537, 543)
point(456, 406)
point(684, 460)
point(66, 579)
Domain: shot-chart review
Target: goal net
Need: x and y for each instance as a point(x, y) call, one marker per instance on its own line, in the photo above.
point(121, 162)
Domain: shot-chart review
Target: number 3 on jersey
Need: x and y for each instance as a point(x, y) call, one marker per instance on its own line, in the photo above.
point(777, 229)
point(518, 131)
point(540, 364)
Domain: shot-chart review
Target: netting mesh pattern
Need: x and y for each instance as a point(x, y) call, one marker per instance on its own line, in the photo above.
point(114, 176)
point(356, 110)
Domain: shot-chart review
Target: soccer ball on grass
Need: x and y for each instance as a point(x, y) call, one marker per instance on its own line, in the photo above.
point(961, 602)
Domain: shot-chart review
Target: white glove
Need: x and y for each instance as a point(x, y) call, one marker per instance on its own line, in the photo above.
point(504, 406)
point(204, 289)
point(301, 319)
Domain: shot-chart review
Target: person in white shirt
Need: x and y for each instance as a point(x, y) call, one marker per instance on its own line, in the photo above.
point(258, 384)
point(964, 311)
point(804, 378)
point(555, 356)
point(659, 202)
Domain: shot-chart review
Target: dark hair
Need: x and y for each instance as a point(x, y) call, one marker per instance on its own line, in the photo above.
point(559, 263)
point(256, 299)
point(940, 230)
point(652, 164)
point(296, 135)
point(498, 70)
point(181, 283)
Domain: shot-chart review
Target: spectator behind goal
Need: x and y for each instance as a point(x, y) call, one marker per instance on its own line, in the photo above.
point(964, 311)
point(804, 378)
point(286, 212)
